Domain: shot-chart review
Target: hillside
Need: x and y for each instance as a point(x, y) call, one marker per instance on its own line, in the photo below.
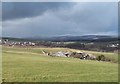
point(85, 38)
point(30, 65)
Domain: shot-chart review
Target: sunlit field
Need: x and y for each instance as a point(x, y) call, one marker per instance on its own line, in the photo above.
point(31, 65)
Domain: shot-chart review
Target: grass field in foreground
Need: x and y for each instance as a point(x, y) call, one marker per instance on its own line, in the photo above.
point(31, 67)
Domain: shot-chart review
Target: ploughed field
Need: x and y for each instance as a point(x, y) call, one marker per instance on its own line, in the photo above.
point(31, 65)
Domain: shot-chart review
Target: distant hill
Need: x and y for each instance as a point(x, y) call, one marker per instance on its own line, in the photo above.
point(77, 38)
point(15, 39)
point(67, 38)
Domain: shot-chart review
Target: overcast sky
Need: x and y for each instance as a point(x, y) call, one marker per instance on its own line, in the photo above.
point(25, 19)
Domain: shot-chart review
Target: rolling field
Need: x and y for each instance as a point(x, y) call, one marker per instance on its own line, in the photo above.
point(30, 65)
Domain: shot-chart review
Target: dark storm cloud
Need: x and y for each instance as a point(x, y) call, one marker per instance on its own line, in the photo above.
point(15, 10)
point(51, 19)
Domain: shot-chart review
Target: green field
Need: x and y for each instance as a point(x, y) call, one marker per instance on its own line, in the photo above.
point(30, 65)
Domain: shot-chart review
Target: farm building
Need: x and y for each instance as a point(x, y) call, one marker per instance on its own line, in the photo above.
point(61, 54)
point(80, 55)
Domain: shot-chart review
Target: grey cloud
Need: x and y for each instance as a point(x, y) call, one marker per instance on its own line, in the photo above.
point(85, 13)
point(70, 19)
point(15, 10)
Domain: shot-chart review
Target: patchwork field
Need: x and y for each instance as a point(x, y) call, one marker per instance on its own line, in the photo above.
point(30, 65)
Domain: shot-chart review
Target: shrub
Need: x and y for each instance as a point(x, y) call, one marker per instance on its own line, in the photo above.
point(103, 58)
